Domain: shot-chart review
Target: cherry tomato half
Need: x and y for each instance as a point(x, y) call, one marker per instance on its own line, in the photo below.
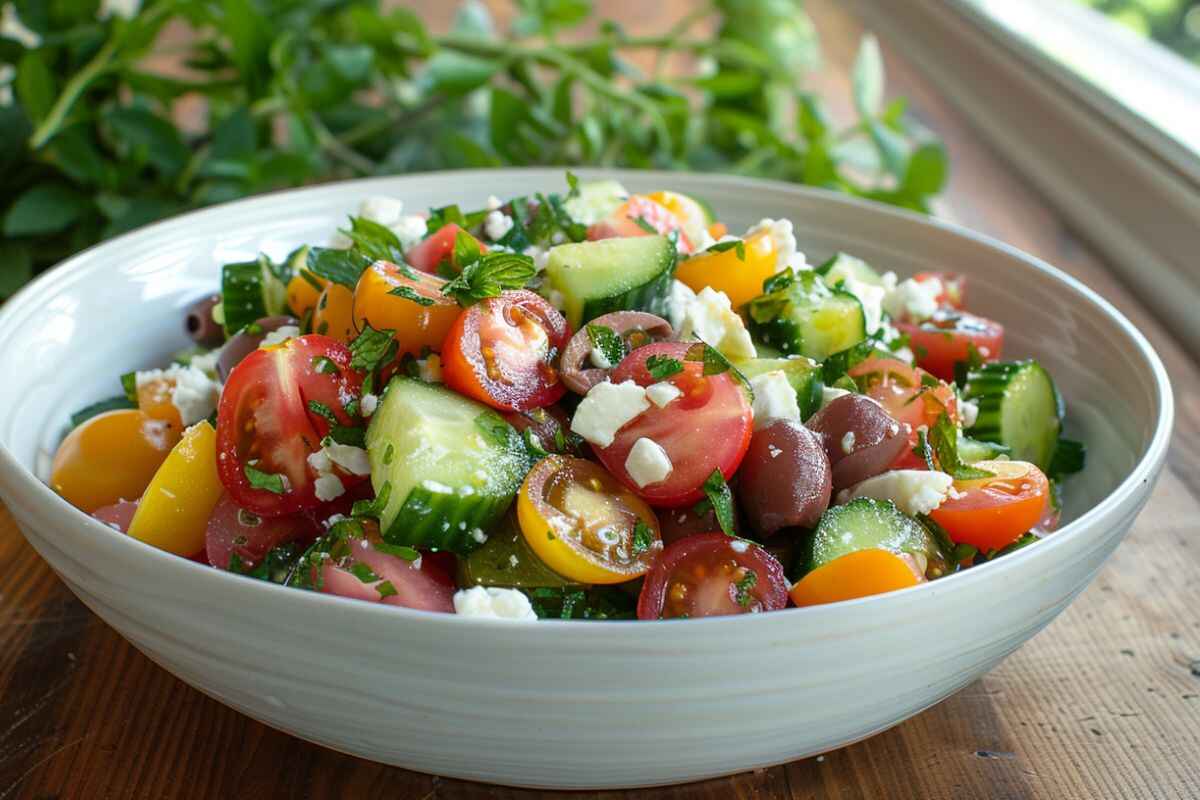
point(438, 247)
point(111, 457)
point(857, 574)
point(232, 529)
point(707, 427)
point(418, 323)
point(503, 350)
point(271, 418)
point(991, 513)
point(624, 221)
point(584, 524)
point(422, 584)
point(954, 287)
point(908, 395)
point(712, 575)
point(946, 338)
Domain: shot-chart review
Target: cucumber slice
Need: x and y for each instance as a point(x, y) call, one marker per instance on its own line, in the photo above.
point(972, 450)
point(450, 466)
point(251, 290)
point(842, 266)
point(594, 278)
point(802, 373)
point(807, 318)
point(506, 559)
point(595, 201)
point(864, 524)
point(1019, 408)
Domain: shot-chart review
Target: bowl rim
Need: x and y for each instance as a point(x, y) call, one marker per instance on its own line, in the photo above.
point(98, 256)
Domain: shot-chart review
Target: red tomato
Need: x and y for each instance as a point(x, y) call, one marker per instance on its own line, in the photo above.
point(945, 339)
point(502, 352)
point(712, 575)
point(900, 390)
point(232, 529)
point(439, 247)
point(991, 513)
point(422, 584)
point(118, 515)
point(708, 427)
point(624, 221)
point(954, 287)
point(265, 420)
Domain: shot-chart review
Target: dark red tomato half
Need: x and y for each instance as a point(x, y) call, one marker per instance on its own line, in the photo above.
point(954, 287)
point(266, 420)
point(118, 515)
point(945, 339)
point(708, 427)
point(909, 397)
point(503, 351)
point(232, 529)
point(438, 247)
point(423, 584)
point(712, 575)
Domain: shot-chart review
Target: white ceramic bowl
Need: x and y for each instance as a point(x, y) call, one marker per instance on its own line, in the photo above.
point(566, 704)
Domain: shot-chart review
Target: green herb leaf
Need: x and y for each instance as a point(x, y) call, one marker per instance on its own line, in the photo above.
point(129, 385)
point(343, 267)
point(322, 410)
point(488, 276)
point(644, 225)
point(267, 481)
point(778, 281)
point(325, 366)
point(662, 367)
point(373, 508)
point(743, 596)
point(606, 340)
point(740, 246)
point(720, 499)
point(533, 445)
point(939, 448)
point(409, 293)
point(398, 550)
point(1069, 458)
point(495, 429)
point(374, 241)
point(643, 538)
point(372, 349)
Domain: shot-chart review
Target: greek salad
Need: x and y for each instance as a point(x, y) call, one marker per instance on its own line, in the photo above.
point(593, 404)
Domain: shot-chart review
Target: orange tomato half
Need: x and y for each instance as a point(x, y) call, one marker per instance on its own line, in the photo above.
point(740, 278)
point(421, 319)
point(334, 314)
point(991, 513)
point(858, 574)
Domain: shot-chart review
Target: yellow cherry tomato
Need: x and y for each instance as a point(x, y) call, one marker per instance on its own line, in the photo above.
point(110, 458)
point(741, 279)
point(154, 399)
point(303, 294)
point(584, 524)
point(857, 574)
point(417, 323)
point(333, 315)
point(175, 507)
point(691, 215)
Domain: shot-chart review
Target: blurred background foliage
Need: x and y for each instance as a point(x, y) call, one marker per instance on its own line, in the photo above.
point(117, 113)
point(1173, 23)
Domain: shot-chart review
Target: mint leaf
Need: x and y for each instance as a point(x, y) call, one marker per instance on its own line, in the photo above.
point(748, 582)
point(731, 244)
point(372, 349)
point(409, 293)
point(606, 340)
point(488, 276)
point(644, 225)
point(720, 499)
point(643, 538)
point(662, 367)
point(267, 481)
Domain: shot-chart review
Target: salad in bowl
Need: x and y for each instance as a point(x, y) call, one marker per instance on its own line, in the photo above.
point(586, 405)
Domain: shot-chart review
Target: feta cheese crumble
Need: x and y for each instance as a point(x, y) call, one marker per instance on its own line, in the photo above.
point(711, 317)
point(914, 301)
point(774, 398)
point(784, 239)
point(662, 393)
point(381, 209)
point(831, 393)
point(648, 462)
point(410, 230)
point(606, 409)
point(848, 442)
point(328, 487)
point(368, 404)
point(914, 491)
point(279, 335)
point(493, 603)
point(125, 9)
point(678, 300)
point(598, 359)
point(870, 297)
point(968, 412)
point(496, 224)
point(193, 393)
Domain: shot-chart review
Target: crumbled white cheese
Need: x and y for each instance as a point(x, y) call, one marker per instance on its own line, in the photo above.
point(328, 487)
point(831, 393)
point(914, 491)
point(320, 462)
point(774, 398)
point(193, 393)
point(739, 545)
point(606, 409)
point(968, 412)
point(647, 462)
point(429, 369)
point(496, 224)
point(279, 335)
point(870, 297)
point(784, 240)
point(711, 317)
point(493, 603)
point(350, 458)
point(381, 209)
point(598, 359)
point(368, 404)
point(540, 256)
point(848, 442)
point(913, 301)
point(410, 230)
point(703, 241)
point(678, 300)
point(493, 203)
point(662, 393)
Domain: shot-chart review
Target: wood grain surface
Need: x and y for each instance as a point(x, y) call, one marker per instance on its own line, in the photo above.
point(1105, 703)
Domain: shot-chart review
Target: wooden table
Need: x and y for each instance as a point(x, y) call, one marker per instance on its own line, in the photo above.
point(1105, 703)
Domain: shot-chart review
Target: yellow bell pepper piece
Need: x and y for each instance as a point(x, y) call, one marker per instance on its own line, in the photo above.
point(174, 510)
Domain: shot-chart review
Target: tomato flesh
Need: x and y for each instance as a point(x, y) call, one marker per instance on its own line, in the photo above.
point(267, 420)
point(438, 247)
point(908, 395)
point(232, 529)
point(503, 351)
point(947, 337)
point(422, 584)
point(624, 222)
point(711, 575)
point(991, 513)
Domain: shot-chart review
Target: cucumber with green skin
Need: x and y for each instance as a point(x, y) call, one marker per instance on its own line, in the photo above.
point(625, 274)
point(803, 374)
point(805, 317)
point(1019, 408)
point(251, 290)
point(448, 466)
point(865, 524)
point(842, 266)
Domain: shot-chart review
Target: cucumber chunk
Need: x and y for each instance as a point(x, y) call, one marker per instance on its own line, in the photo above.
point(595, 201)
point(594, 278)
point(449, 466)
point(1019, 408)
point(805, 317)
point(842, 266)
point(506, 559)
point(864, 524)
point(802, 373)
point(972, 450)
point(251, 290)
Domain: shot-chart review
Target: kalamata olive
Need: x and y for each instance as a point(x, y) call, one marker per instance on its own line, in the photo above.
point(636, 328)
point(676, 523)
point(784, 480)
point(860, 437)
point(200, 325)
point(246, 341)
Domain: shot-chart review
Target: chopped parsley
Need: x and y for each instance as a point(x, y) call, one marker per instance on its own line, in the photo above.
point(322, 410)
point(363, 572)
point(372, 508)
point(964, 368)
point(748, 582)
point(643, 538)
point(730, 244)
point(494, 429)
point(533, 444)
point(719, 499)
point(662, 367)
point(325, 366)
point(939, 449)
point(644, 225)
point(409, 293)
point(267, 481)
point(608, 342)
point(372, 349)
point(129, 384)
point(398, 550)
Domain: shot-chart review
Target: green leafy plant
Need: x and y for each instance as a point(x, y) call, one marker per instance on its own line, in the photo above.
point(115, 119)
